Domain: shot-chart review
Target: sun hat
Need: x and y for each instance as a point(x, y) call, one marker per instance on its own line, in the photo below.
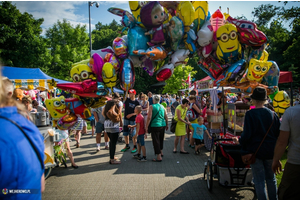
point(259, 94)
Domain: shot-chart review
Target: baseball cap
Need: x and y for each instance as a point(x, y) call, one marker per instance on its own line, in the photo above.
point(132, 91)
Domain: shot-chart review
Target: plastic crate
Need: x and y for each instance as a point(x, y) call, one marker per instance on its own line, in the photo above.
point(234, 176)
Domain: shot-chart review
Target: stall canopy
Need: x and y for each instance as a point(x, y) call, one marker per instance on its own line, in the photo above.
point(285, 77)
point(26, 77)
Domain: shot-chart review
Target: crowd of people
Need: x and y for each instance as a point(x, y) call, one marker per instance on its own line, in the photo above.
point(140, 116)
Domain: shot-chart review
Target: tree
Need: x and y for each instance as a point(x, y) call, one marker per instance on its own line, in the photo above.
point(68, 45)
point(21, 44)
point(175, 82)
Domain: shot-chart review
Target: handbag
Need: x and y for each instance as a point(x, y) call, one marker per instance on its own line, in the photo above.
point(191, 113)
point(149, 126)
point(250, 158)
point(174, 123)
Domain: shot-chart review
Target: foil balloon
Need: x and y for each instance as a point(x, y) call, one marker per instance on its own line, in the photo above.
point(257, 69)
point(137, 39)
point(93, 102)
point(264, 56)
point(136, 60)
point(148, 65)
point(271, 78)
point(217, 20)
point(201, 12)
point(229, 49)
point(67, 122)
point(81, 72)
point(109, 75)
point(165, 72)
point(128, 20)
point(211, 67)
point(57, 108)
point(179, 56)
point(87, 88)
point(96, 64)
point(77, 107)
point(189, 39)
point(120, 48)
point(281, 102)
point(205, 36)
point(154, 53)
point(175, 31)
point(111, 58)
point(186, 12)
point(103, 52)
point(126, 75)
point(234, 73)
point(248, 32)
point(171, 6)
point(135, 7)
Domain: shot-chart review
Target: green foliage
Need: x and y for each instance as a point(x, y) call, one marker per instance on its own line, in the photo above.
point(143, 81)
point(68, 45)
point(175, 82)
point(21, 43)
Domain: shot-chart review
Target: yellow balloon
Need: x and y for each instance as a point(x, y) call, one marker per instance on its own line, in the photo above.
point(109, 75)
point(81, 72)
point(257, 69)
point(264, 56)
point(186, 12)
point(201, 12)
point(281, 102)
point(135, 7)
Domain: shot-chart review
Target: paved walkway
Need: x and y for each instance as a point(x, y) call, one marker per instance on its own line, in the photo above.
point(178, 176)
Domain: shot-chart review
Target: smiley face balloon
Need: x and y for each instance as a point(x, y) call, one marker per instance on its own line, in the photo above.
point(229, 49)
point(257, 69)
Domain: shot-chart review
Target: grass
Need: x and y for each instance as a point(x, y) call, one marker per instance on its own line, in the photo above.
point(283, 161)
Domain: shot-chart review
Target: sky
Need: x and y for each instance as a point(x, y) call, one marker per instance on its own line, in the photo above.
point(76, 12)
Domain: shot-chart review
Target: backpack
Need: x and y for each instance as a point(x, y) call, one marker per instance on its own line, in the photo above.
point(191, 114)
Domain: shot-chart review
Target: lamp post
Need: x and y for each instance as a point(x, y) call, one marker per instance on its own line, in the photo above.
point(89, 5)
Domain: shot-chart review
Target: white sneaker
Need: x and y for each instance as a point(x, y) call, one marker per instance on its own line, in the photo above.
point(98, 149)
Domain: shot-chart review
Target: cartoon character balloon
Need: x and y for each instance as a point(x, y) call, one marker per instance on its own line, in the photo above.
point(81, 72)
point(137, 39)
point(205, 36)
point(111, 58)
point(153, 16)
point(109, 75)
point(96, 64)
point(120, 48)
point(229, 49)
point(175, 31)
point(201, 13)
point(281, 102)
point(154, 53)
point(257, 69)
point(57, 108)
point(126, 75)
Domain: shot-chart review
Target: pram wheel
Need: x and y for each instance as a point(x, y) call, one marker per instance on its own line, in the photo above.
point(209, 175)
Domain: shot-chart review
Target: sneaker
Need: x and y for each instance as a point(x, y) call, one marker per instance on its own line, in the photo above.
point(186, 139)
point(142, 159)
point(125, 149)
point(196, 152)
point(133, 150)
point(137, 156)
point(98, 149)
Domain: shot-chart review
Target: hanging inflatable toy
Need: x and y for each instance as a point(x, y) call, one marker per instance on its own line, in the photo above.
point(229, 49)
point(272, 78)
point(128, 20)
point(153, 16)
point(149, 66)
point(217, 20)
point(234, 73)
point(175, 31)
point(135, 7)
point(109, 75)
point(77, 107)
point(264, 56)
point(96, 65)
point(126, 75)
point(248, 32)
point(201, 12)
point(137, 39)
point(205, 36)
point(120, 48)
point(154, 53)
point(171, 6)
point(102, 52)
point(111, 58)
point(165, 72)
point(281, 102)
point(93, 102)
point(257, 69)
point(81, 72)
point(66, 122)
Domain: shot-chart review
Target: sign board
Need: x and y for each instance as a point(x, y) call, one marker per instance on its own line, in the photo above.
point(205, 84)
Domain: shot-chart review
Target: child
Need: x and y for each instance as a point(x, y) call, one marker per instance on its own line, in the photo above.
point(198, 134)
point(140, 129)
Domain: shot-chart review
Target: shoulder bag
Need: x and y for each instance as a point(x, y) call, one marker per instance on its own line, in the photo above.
point(149, 127)
point(250, 158)
point(174, 123)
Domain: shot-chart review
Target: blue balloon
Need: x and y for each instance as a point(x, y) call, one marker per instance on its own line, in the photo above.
point(137, 40)
point(236, 71)
point(271, 78)
point(127, 76)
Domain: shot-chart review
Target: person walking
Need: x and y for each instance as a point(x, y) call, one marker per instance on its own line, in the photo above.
point(174, 105)
point(99, 119)
point(158, 123)
point(180, 115)
point(145, 107)
point(261, 123)
point(129, 119)
point(112, 123)
point(289, 136)
point(150, 98)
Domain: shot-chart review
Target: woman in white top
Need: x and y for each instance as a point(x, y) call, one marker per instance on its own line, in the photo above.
point(145, 107)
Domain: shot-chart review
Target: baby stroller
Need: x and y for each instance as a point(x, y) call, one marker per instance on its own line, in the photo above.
point(226, 165)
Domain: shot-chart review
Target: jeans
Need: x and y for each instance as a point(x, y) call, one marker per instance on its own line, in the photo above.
point(113, 138)
point(262, 172)
point(126, 130)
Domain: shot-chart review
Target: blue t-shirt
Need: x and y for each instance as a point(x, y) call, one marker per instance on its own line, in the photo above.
point(198, 131)
point(20, 166)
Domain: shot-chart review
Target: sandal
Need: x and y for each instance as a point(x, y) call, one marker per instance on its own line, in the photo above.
point(114, 162)
point(106, 147)
point(154, 160)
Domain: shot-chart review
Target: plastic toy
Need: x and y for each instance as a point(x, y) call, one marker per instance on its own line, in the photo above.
point(229, 49)
point(149, 66)
point(257, 69)
point(217, 20)
point(281, 102)
point(186, 12)
point(271, 78)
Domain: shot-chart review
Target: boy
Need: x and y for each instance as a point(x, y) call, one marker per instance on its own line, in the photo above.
point(140, 129)
point(198, 134)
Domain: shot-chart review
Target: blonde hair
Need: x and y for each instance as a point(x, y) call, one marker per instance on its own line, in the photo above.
point(8, 86)
point(200, 118)
point(139, 108)
point(146, 97)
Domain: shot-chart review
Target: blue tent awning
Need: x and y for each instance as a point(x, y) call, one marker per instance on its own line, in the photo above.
point(27, 74)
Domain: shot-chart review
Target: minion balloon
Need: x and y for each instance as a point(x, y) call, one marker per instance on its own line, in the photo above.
point(229, 49)
point(281, 102)
point(109, 75)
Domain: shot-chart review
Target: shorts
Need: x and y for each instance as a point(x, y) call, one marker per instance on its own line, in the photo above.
point(141, 140)
point(92, 122)
point(84, 123)
point(198, 141)
point(126, 130)
point(99, 127)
